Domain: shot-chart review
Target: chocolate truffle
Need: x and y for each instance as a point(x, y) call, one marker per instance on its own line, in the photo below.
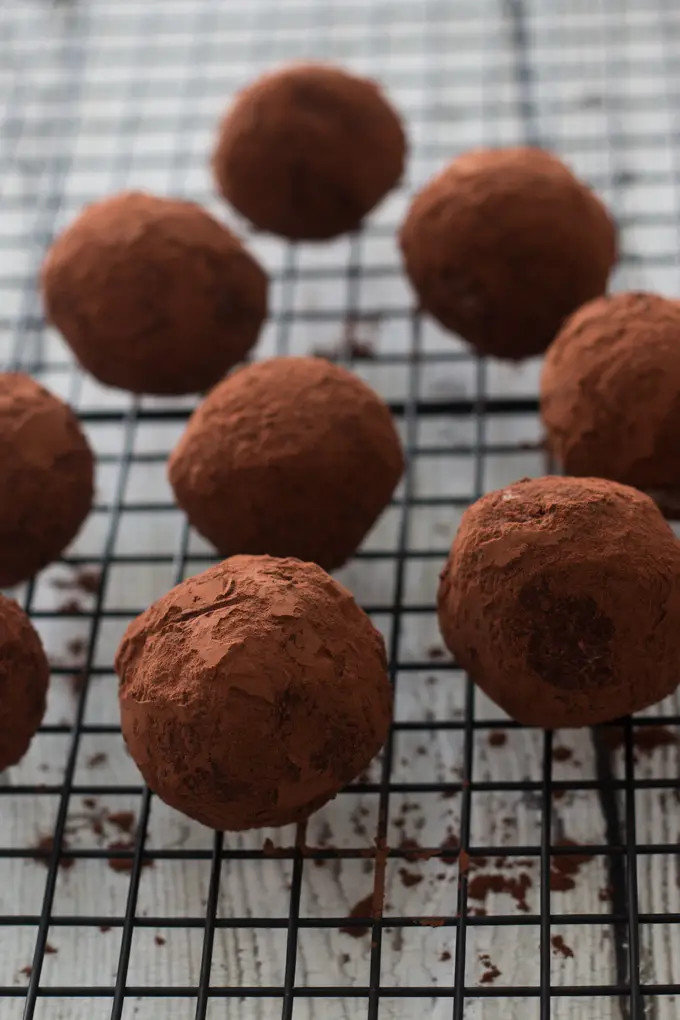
point(503, 244)
point(290, 457)
point(253, 692)
point(610, 391)
point(561, 599)
point(24, 676)
point(306, 152)
point(153, 295)
point(46, 477)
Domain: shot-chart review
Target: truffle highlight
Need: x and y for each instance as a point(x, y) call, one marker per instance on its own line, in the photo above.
point(610, 391)
point(503, 244)
point(253, 692)
point(24, 678)
point(153, 295)
point(46, 477)
point(561, 599)
point(288, 457)
point(307, 151)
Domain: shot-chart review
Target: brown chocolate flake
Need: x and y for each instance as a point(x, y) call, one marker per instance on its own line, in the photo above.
point(445, 956)
point(563, 869)
point(50, 949)
point(497, 738)
point(364, 908)
point(491, 971)
point(159, 940)
point(123, 820)
point(96, 760)
point(409, 879)
point(435, 652)
point(482, 885)
point(562, 753)
point(560, 947)
point(46, 844)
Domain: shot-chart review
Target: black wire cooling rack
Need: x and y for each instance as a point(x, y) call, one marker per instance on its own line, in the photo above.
point(478, 869)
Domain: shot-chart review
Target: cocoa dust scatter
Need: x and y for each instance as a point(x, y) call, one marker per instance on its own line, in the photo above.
point(364, 908)
point(491, 971)
point(646, 739)
point(46, 845)
point(445, 956)
point(96, 760)
point(560, 946)
point(497, 738)
point(481, 886)
point(411, 849)
point(606, 895)
point(104, 928)
point(344, 959)
point(563, 870)
point(451, 844)
point(76, 646)
point(70, 607)
point(26, 971)
point(435, 652)
point(123, 820)
point(89, 802)
point(125, 863)
point(86, 581)
point(562, 753)
point(159, 940)
point(50, 950)
point(409, 879)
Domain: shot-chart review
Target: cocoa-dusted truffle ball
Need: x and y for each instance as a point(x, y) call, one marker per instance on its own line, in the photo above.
point(24, 677)
point(503, 244)
point(46, 477)
point(252, 693)
point(561, 598)
point(153, 295)
point(290, 457)
point(610, 391)
point(308, 151)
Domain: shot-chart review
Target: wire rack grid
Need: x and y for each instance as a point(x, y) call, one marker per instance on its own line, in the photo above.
point(515, 873)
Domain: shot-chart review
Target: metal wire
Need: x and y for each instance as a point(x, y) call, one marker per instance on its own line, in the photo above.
point(97, 96)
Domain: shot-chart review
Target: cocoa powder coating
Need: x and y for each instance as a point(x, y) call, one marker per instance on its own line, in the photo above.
point(46, 481)
point(290, 457)
point(24, 677)
point(610, 391)
point(503, 244)
point(253, 692)
point(561, 599)
point(153, 295)
point(307, 151)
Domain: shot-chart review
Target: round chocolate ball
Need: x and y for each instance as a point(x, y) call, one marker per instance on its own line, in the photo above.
point(290, 457)
point(46, 477)
point(253, 692)
point(561, 599)
point(610, 391)
point(307, 151)
point(24, 677)
point(153, 295)
point(503, 244)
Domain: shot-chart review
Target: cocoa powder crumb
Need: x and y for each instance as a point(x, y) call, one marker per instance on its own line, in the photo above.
point(27, 970)
point(159, 940)
point(70, 607)
point(364, 908)
point(564, 869)
point(76, 646)
point(451, 844)
point(560, 946)
point(482, 885)
point(46, 844)
point(646, 739)
point(50, 949)
point(95, 760)
point(123, 820)
point(409, 879)
point(435, 652)
point(125, 863)
point(89, 802)
point(445, 956)
point(562, 753)
point(104, 928)
point(497, 738)
point(491, 971)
